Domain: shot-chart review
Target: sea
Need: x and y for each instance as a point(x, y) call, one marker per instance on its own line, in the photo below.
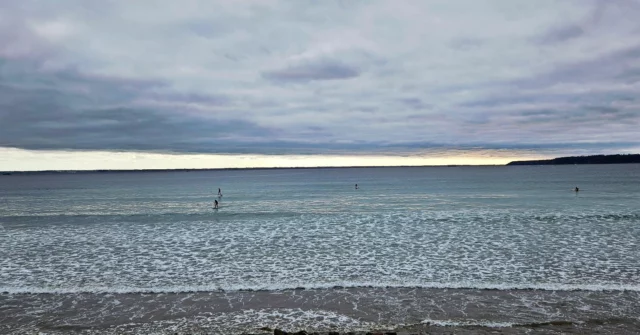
point(486, 248)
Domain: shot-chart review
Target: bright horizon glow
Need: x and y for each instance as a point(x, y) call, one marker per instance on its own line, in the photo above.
point(29, 160)
point(124, 84)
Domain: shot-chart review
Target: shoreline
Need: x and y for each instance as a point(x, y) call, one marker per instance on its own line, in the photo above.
point(356, 311)
point(191, 327)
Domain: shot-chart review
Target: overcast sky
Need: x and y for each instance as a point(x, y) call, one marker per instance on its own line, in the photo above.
point(339, 78)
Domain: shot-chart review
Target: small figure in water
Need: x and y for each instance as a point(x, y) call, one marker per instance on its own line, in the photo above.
point(577, 189)
point(215, 204)
point(356, 186)
point(219, 192)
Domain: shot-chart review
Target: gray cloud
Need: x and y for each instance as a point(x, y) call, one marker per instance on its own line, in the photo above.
point(50, 114)
point(590, 99)
point(313, 77)
point(466, 43)
point(620, 64)
point(316, 70)
point(561, 34)
point(415, 103)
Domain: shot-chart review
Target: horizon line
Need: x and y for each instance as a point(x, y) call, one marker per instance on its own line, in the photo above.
point(244, 168)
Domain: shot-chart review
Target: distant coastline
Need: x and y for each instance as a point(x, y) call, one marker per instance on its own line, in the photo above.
point(594, 159)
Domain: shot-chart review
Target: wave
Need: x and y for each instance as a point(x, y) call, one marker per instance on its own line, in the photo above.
point(321, 286)
point(534, 324)
point(466, 213)
point(211, 214)
point(467, 323)
point(206, 214)
point(493, 324)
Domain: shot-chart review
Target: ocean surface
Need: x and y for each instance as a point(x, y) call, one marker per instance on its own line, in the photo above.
point(303, 249)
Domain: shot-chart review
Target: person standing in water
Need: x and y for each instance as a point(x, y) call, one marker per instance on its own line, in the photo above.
point(215, 204)
point(356, 186)
point(219, 192)
point(577, 189)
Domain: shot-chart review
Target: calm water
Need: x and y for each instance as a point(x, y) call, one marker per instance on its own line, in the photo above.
point(506, 228)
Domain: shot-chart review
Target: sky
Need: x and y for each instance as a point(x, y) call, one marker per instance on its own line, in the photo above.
point(88, 84)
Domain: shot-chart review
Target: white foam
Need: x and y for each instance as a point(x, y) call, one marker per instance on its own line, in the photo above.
point(468, 323)
point(488, 324)
point(319, 286)
point(466, 249)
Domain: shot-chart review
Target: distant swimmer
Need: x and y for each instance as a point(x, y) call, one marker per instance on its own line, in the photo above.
point(577, 189)
point(215, 204)
point(356, 186)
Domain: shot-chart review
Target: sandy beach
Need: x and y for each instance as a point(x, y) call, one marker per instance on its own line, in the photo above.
point(341, 310)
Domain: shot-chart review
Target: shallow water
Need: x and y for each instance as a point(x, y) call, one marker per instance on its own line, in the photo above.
point(439, 230)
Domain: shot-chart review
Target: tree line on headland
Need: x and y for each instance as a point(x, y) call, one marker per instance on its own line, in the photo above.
point(595, 159)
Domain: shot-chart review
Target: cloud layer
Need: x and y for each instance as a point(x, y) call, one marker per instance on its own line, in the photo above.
point(306, 77)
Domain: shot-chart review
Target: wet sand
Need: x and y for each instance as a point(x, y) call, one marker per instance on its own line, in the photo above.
point(359, 310)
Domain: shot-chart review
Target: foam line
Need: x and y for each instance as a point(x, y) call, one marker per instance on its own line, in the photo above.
point(320, 286)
